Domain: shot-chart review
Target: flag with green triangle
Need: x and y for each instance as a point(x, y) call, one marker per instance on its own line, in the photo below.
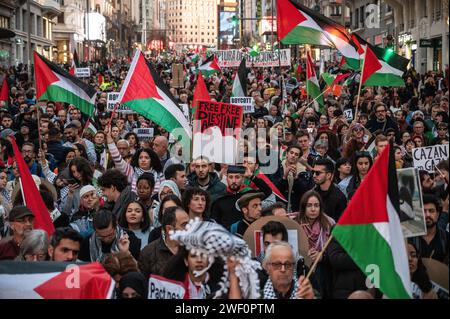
point(312, 84)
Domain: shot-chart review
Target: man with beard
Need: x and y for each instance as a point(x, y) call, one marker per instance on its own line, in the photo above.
point(72, 135)
point(21, 222)
point(29, 155)
point(224, 210)
point(435, 243)
point(204, 179)
point(65, 245)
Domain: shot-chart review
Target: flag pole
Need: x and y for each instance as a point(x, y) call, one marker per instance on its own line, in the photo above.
point(319, 257)
point(317, 97)
point(39, 127)
point(21, 190)
point(360, 83)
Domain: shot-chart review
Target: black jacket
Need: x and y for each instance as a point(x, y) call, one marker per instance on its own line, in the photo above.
point(373, 125)
point(57, 150)
point(345, 274)
point(215, 187)
point(223, 209)
point(302, 184)
point(334, 201)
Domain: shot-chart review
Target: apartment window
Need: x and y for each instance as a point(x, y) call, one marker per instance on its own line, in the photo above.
point(4, 22)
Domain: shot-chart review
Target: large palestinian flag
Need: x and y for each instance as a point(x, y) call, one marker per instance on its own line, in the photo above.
point(312, 84)
point(4, 92)
point(209, 66)
point(369, 229)
point(145, 93)
point(240, 81)
point(55, 84)
point(383, 67)
point(54, 280)
point(297, 24)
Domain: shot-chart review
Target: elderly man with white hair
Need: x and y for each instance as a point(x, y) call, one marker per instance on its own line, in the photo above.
point(160, 146)
point(279, 262)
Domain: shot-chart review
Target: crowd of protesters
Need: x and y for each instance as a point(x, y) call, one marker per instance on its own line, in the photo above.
point(114, 197)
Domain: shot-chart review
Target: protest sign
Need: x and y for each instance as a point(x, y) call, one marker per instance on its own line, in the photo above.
point(82, 72)
point(348, 114)
point(426, 158)
point(144, 133)
point(412, 217)
point(217, 131)
point(301, 245)
point(247, 103)
point(232, 58)
point(177, 75)
point(111, 101)
point(163, 288)
point(438, 273)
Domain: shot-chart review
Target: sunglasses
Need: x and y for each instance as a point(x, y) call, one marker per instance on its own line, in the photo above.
point(317, 173)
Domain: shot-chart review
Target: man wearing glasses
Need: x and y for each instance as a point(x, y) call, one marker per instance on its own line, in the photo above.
point(21, 222)
point(381, 122)
point(279, 262)
point(334, 200)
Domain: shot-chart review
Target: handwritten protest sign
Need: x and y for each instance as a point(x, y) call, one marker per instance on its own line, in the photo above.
point(163, 288)
point(144, 133)
point(247, 103)
point(217, 131)
point(348, 114)
point(111, 100)
point(426, 158)
point(232, 58)
point(82, 72)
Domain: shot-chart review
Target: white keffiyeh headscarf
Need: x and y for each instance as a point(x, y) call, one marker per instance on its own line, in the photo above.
point(213, 240)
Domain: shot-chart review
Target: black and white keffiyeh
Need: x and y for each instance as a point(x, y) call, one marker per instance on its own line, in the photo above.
point(269, 291)
point(95, 245)
point(213, 240)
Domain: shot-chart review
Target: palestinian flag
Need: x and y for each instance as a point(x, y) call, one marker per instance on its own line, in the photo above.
point(30, 193)
point(260, 175)
point(297, 24)
point(55, 84)
point(333, 80)
point(75, 63)
point(369, 230)
point(54, 280)
point(145, 93)
point(209, 66)
point(4, 92)
point(383, 67)
point(90, 128)
point(240, 81)
point(312, 84)
point(193, 57)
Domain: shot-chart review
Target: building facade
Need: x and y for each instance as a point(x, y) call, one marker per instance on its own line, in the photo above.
point(42, 20)
point(7, 21)
point(192, 22)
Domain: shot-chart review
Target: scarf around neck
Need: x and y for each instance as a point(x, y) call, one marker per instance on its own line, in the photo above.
point(95, 245)
point(269, 290)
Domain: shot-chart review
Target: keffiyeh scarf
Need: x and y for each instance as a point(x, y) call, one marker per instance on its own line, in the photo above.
point(213, 240)
point(95, 245)
point(269, 291)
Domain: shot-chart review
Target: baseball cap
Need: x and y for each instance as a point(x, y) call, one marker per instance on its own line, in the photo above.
point(19, 212)
point(103, 115)
point(236, 169)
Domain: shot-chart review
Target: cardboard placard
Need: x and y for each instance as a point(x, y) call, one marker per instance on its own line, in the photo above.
point(348, 114)
point(426, 158)
point(177, 75)
point(82, 72)
point(163, 288)
point(111, 101)
point(217, 131)
point(291, 225)
point(232, 58)
point(144, 133)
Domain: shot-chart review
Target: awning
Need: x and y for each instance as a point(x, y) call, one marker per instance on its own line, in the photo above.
point(6, 33)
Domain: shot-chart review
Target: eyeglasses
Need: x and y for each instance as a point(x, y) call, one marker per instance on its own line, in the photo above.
point(381, 111)
point(317, 173)
point(278, 265)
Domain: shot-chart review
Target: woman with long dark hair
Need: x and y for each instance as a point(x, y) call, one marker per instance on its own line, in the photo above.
point(362, 163)
point(421, 285)
point(80, 174)
point(144, 160)
point(135, 218)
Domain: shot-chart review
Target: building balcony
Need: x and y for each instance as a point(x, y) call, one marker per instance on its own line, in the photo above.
point(50, 8)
